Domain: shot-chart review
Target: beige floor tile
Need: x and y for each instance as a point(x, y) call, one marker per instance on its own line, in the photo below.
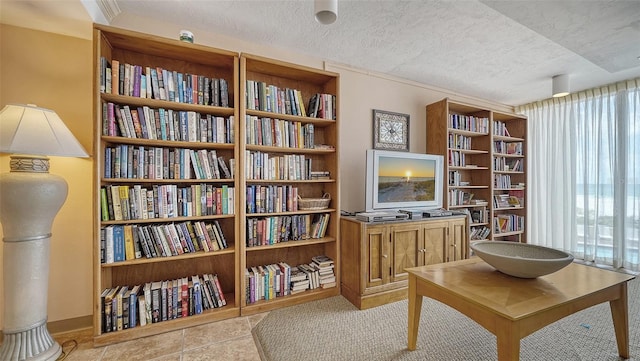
point(240, 349)
point(255, 319)
point(146, 348)
point(82, 352)
point(216, 332)
point(173, 357)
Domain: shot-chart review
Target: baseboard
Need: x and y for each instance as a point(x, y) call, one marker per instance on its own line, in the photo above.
point(68, 325)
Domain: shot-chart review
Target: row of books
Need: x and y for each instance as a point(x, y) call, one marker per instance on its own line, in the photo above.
point(261, 165)
point(457, 141)
point(500, 146)
point(469, 123)
point(126, 161)
point(459, 197)
point(128, 242)
point(322, 105)
point(457, 159)
point(276, 280)
point(479, 233)
point(143, 122)
point(504, 223)
point(271, 198)
point(506, 201)
point(271, 98)
point(500, 128)
point(502, 164)
point(127, 307)
point(502, 181)
point(121, 78)
point(271, 230)
point(279, 133)
point(129, 202)
point(479, 215)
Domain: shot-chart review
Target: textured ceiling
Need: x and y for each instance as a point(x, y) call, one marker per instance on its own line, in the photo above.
point(502, 51)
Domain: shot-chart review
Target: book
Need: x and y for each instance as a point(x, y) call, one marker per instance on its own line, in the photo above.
point(197, 295)
point(107, 297)
point(142, 310)
point(129, 242)
point(156, 301)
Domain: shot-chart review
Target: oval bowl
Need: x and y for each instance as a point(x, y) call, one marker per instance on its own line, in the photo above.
point(521, 259)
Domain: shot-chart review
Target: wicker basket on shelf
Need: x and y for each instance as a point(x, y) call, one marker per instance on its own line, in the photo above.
point(310, 204)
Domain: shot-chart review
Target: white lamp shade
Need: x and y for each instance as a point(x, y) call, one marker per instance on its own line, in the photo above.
point(560, 85)
point(28, 129)
point(326, 11)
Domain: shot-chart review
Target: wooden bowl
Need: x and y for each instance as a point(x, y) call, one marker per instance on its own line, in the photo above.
point(521, 259)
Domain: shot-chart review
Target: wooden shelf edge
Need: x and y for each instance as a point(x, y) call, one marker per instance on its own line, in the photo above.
point(158, 103)
point(198, 254)
point(287, 244)
point(165, 143)
point(505, 234)
point(279, 302)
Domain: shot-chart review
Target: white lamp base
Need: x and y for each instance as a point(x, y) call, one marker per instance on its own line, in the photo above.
point(30, 198)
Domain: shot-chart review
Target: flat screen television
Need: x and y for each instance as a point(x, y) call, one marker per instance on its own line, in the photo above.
point(401, 180)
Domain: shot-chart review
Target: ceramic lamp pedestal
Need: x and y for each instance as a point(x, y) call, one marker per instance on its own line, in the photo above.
point(30, 198)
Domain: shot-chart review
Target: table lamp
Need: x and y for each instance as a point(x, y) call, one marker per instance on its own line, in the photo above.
point(30, 198)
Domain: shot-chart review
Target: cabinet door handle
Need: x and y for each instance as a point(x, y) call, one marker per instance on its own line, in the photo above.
point(384, 256)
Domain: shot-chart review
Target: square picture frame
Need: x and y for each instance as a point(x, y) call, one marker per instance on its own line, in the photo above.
point(390, 130)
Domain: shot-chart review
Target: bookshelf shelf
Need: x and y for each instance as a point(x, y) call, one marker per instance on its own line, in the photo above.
point(189, 105)
point(166, 143)
point(269, 149)
point(507, 234)
point(290, 244)
point(502, 147)
point(198, 254)
point(156, 103)
point(286, 301)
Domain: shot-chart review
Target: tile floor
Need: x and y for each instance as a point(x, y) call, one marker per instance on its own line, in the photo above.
point(224, 340)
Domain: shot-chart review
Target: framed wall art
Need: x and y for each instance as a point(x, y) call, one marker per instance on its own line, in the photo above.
point(390, 130)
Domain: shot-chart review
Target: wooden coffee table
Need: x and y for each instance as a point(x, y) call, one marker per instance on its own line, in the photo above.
point(512, 308)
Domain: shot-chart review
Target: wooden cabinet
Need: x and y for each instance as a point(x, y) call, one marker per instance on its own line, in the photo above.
point(156, 163)
point(485, 166)
point(374, 256)
point(289, 163)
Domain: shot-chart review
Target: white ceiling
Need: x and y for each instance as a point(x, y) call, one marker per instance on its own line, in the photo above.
point(502, 51)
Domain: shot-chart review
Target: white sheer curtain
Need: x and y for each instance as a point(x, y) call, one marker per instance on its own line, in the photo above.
point(584, 174)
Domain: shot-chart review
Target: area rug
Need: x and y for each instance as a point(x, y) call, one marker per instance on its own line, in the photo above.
point(334, 329)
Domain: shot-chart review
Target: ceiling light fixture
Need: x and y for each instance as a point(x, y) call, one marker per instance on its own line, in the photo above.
point(326, 11)
point(560, 85)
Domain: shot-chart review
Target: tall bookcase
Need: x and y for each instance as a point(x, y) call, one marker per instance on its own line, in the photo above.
point(196, 120)
point(289, 163)
point(485, 166)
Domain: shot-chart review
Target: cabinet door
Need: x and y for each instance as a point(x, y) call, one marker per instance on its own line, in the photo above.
point(435, 242)
point(407, 243)
point(376, 254)
point(457, 245)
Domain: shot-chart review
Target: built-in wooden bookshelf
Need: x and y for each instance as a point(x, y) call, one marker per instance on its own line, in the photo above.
point(161, 124)
point(509, 134)
point(485, 163)
point(289, 163)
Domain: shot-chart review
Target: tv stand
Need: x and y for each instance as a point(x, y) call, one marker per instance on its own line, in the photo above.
point(374, 255)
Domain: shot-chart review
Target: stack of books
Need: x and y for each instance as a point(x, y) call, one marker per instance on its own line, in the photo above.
point(325, 267)
point(299, 280)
